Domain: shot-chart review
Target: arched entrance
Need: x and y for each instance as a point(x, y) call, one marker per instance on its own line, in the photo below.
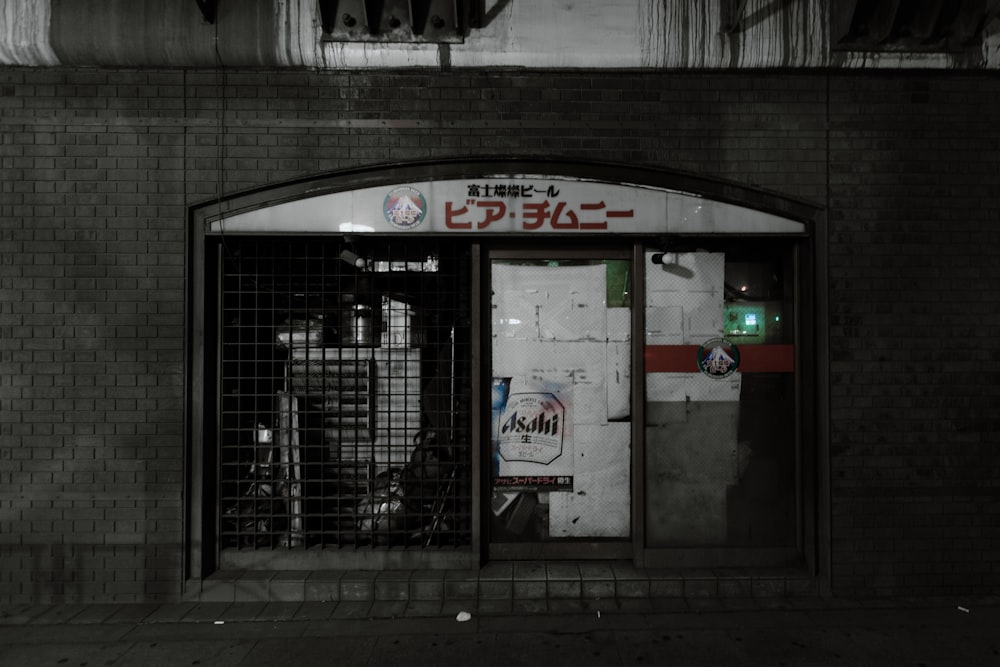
point(429, 365)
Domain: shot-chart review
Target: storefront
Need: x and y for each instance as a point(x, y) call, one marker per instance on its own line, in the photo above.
point(437, 366)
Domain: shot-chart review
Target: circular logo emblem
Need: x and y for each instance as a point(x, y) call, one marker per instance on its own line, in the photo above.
point(718, 358)
point(404, 207)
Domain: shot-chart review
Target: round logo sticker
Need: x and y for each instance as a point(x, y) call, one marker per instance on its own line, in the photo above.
point(718, 358)
point(404, 207)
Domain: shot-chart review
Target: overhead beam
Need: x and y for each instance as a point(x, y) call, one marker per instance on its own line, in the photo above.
point(434, 21)
point(909, 25)
point(208, 9)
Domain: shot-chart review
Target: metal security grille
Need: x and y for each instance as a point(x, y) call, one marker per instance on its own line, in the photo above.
point(344, 377)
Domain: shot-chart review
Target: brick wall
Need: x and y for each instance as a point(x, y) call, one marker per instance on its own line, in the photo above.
point(92, 298)
point(915, 365)
point(99, 167)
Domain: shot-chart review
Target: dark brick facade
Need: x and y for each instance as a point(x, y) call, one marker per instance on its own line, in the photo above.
point(99, 168)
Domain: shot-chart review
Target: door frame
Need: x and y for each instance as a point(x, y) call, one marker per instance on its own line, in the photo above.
point(803, 554)
point(566, 548)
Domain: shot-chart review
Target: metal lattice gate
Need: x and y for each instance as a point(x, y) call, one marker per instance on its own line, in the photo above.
point(344, 383)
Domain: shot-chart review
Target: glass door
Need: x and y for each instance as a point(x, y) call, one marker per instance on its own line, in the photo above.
point(721, 457)
point(561, 418)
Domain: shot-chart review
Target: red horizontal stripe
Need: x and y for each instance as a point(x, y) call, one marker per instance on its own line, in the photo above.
point(753, 358)
point(671, 358)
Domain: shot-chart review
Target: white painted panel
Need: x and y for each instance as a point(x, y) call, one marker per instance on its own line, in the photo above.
point(599, 504)
point(684, 387)
point(581, 365)
point(619, 380)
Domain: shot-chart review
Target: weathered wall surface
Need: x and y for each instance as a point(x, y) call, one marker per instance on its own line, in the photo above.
point(578, 34)
point(99, 167)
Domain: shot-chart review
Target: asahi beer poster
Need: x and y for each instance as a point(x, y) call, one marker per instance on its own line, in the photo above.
point(533, 444)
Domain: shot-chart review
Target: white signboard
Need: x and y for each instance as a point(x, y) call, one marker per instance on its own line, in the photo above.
point(516, 204)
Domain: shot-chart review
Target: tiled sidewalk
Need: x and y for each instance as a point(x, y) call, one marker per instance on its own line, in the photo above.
point(697, 632)
point(520, 582)
point(532, 588)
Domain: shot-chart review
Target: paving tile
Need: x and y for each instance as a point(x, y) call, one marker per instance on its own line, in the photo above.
point(423, 648)
point(603, 605)
point(495, 590)
point(566, 606)
point(496, 572)
point(60, 613)
point(340, 650)
point(387, 609)
point(22, 613)
point(740, 604)
point(628, 572)
point(596, 590)
point(63, 653)
point(427, 590)
point(356, 586)
point(561, 590)
point(529, 572)
point(171, 612)
point(207, 652)
point(429, 575)
point(802, 587)
point(314, 611)
point(244, 611)
point(279, 611)
point(207, 611)
point(596, 571)
point(218, 590)
point(323, 586)
point(764, 587)
point(287, 586)
point(735, 587)
point(562, 572)
point(701, 587)
point(348, 609)
point(530, 590)
point(392, 585)
point(453, 607)
point(494, 607)
point(461, 585)
point(529, 605)
point(252, 586)
point(95, 613)
point(133, 613)
point(669, 604)
point(666, 588)
point(705, 604)
point(632, 588)
point(635, 605)
point(422, 608)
